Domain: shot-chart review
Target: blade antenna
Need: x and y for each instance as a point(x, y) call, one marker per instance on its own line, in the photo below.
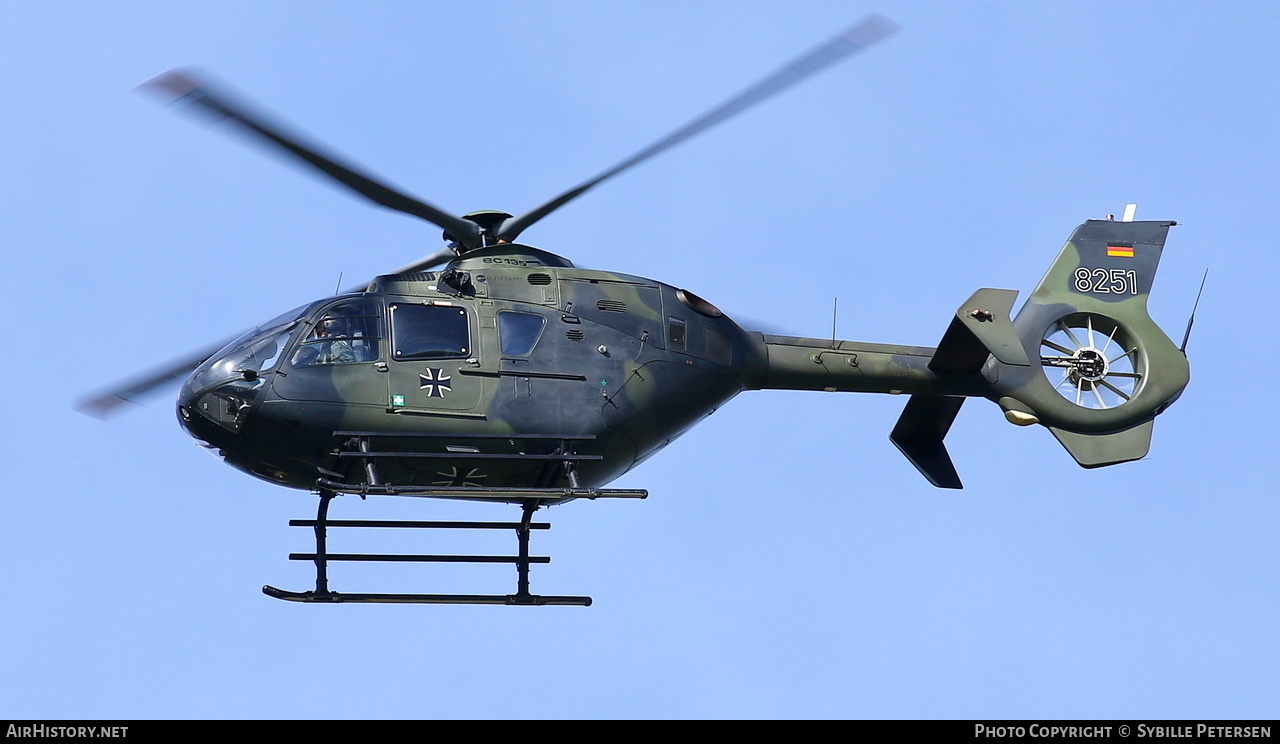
point(835, 305)
point(868, 31)
point(1192, 320)
point(183, 86)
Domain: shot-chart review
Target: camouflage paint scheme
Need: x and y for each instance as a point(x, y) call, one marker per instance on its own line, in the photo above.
point(511, 375)
point(634, 363)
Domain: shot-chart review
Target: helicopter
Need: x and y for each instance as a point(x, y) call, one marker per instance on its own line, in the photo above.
point(495, 371)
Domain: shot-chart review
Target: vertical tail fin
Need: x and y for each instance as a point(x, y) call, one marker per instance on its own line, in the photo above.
point(1082, 357)
point(1105, 368)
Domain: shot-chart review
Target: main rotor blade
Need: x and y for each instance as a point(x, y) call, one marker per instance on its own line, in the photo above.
point(865, 33)
point(179, 85)
point(442, 256)
point(108, 402)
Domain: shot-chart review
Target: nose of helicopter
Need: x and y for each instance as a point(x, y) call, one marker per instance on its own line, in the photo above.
point(219, 397)
point(224, 420)
point(214, 416)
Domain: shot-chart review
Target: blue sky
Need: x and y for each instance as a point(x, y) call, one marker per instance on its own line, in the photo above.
point(788, 562)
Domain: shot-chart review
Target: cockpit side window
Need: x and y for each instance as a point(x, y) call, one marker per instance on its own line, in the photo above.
point(429, 332)
point(518, 332)
point(345, 333)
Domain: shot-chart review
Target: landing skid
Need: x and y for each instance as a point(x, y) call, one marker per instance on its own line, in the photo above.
point(481, 599)
point(531, 500)
point(359, 444)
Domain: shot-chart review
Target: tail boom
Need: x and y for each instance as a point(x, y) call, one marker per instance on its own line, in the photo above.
point(1082, 357)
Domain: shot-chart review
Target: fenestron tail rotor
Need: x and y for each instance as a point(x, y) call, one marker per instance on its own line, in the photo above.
point(1092, 361)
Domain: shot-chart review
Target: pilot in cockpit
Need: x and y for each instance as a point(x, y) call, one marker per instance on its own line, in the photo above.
point(335, 343)
point(328, 344)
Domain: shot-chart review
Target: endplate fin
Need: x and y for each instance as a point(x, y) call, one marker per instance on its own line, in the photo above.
point(923, 425)
point(1100, 450)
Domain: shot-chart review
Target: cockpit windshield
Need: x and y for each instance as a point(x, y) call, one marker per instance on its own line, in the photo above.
point(249, 355)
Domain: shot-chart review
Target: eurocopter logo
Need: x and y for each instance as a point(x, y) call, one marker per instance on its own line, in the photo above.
point(435, 382)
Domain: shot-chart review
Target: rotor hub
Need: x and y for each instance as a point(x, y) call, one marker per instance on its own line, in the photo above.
point(489, 220)
point(1100, 364)
point(1088, 364)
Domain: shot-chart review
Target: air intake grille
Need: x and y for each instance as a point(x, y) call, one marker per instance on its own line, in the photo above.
point(539, 279)
point(611, 306)
point(575, 335)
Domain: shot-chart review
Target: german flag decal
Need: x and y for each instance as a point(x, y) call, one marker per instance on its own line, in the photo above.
point(1123, 251)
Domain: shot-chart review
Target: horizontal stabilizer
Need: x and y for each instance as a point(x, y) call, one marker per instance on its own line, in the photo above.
point(1100, 450)
point(919, 434)
point(982, 327)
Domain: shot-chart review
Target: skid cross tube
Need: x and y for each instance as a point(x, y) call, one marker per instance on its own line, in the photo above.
point(322, 557)
point(358, 445)
point(545, 496)
point(533, 500)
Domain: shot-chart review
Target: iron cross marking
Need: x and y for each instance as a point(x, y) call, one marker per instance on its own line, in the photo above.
point(435, 382)
point(455, 478)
